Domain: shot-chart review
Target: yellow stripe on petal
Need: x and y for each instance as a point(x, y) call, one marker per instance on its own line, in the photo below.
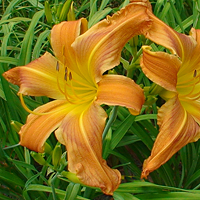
point(177, 128)
point(99, 48)
point(122, 91)
point(82, 131)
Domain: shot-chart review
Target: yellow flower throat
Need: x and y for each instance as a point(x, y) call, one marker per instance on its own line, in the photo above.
point(76, 89)
point(188, 86)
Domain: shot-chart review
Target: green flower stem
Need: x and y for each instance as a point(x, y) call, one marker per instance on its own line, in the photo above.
point(110, 121)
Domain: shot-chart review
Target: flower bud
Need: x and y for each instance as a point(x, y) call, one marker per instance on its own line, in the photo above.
point(71, 176)
point(56, 156)
point(38, 158)
point(16, 125)
point(47, 148)
point(65, 10)
point(47, 11)
point(71, 13)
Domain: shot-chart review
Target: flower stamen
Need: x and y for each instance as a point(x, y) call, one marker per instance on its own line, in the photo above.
point(193, 83)
point(30, 111)
point(195, 73)
point(70, 76)
point(66, 71)
point(57, 66)
point(74, 91)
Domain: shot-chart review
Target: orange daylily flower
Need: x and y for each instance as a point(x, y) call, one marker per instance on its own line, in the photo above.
point(178, 74)
point(74, 78)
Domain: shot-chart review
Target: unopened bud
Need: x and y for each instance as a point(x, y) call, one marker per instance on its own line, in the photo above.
point(38, 158)
point(47, 11)
point(71, 176)
point(71, 13)
point(56, 156)
point(65, 10)
point(47, 148)
point(16, 125)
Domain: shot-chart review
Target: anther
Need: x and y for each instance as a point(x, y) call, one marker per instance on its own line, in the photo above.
point(70, 76)
point(63, 50)
point(66, 73)
point(195, 73)
point(57, 66)
point(63, 54)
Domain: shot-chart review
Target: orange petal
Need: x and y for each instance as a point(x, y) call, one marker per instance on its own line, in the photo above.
point(62, 36)
point(38, 127)
point(99, 48)
point(186, 47)
point(38, 78)
point(164, 35)
point(191, 62)
point(161, 68)
point(177, 128)
point(120, 90)
point(82, 131)
point(194, 62)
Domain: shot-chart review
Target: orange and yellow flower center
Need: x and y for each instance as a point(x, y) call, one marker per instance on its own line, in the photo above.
point(188, 86)
point(76, 89)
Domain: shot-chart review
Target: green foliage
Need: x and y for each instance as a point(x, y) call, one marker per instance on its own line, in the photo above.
point(127, 140)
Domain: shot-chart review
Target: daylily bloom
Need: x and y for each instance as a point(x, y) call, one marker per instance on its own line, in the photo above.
point(178, 74)
point(75, 79)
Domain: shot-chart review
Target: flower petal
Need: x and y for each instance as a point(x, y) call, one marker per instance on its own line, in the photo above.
point(161, 68)
point(186, 47)
point(99, 48)
point(177, 128)
point(120, 90)
point(38, 127)
point(82, 131)
point(38, 78)
point(62, 36)
point(194, 62)
point(164, 35)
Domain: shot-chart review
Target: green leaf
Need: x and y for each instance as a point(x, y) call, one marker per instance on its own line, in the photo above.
point(193, 178)
point(103, 4)
point(60, 193)
point(15, 19)
point(36, 4)
point(145, 117)
point(23, 164)
point(72, 191)
point(177, 16)
point(170, 195)
point(25, 54)
point(10, 7)
point(41, 39)
point(8, 60)
point(122, 128)
point(98, 16)
point(164, 11)
point(123, 196)
point(11, 178)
